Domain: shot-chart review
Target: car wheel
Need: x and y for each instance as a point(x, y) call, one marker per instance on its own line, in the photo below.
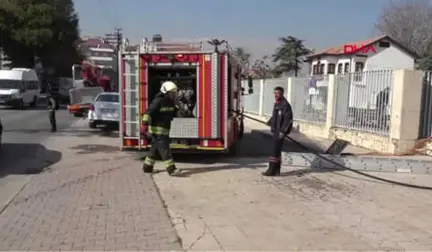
point(33, 103)
point(92, 125)
point(21, 104)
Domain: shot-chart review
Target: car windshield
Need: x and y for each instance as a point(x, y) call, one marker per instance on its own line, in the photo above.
point(10, 84)
point(108, 98)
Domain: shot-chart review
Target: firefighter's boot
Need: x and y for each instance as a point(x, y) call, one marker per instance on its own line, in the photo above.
point(147, 168)
point(173, 171)
point(273, 169)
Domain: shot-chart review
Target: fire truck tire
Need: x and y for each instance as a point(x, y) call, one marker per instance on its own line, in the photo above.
point(234, 149)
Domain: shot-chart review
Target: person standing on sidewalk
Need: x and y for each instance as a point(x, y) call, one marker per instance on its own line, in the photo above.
point(52, 107)
point(281, 125)
point(156, 124)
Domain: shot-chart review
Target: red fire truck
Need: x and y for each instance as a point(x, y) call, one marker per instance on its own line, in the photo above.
point(213, 75)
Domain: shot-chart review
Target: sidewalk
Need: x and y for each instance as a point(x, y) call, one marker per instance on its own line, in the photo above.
point(227, 205)
point(94, 198)
point(315, 143)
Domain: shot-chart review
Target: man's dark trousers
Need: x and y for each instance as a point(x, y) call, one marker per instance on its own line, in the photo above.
point(276, 151)
point(52, 120)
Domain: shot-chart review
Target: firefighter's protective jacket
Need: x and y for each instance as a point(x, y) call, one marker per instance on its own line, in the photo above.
point(282, 117)
point(159, 115)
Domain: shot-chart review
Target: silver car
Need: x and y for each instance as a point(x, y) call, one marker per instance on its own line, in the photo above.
point(105, 111)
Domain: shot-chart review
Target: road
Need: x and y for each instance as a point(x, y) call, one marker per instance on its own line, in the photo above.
point(23, 152)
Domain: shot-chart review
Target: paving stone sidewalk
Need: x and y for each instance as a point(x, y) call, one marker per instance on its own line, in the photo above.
point(95, 198)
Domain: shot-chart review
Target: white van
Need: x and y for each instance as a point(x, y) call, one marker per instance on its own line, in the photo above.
point(19, 87)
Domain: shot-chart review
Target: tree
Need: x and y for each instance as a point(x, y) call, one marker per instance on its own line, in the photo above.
point(46, 29)
point(289, 55)
point(262, 69)
point(410, 23)
point(242, 56)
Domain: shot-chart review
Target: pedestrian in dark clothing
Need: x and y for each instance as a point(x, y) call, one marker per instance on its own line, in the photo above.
point(281, 125)
point(157, 124)
point(52, 107)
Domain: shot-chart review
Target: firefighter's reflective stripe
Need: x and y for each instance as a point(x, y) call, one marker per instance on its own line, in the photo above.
point(149, 161)
point(169, 163)
point(167, 109)
point(158, 130)
point(146, 118)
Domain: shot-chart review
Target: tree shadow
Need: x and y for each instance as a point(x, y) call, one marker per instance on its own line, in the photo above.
point(26, 159)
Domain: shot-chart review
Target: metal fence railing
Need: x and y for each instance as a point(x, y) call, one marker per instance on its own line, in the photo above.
point(363, 101)
point(425, 127)
point(309, 98)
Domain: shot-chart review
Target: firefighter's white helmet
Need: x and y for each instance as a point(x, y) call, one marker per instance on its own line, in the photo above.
point(168, 86)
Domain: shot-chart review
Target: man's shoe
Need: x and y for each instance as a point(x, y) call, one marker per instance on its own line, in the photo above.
point(173, 171)
point(273, 170)
point(147, 168)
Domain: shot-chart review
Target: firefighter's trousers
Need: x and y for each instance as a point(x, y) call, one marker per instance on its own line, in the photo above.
point(276, 151)
point(160, 146)
point(52, 120)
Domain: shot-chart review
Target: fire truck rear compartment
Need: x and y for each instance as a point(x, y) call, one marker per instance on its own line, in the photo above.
point(183, 76)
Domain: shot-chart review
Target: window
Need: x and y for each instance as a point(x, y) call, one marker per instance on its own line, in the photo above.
point(347, 70)
point(359, 66)
point(331, 68)
point(340, 68)
point(10, 84)
point(384, 44)
point(321, 69)
point(108, 98)
point(315, 69)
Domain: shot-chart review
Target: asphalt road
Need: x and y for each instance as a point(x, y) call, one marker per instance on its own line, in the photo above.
point(23, 150)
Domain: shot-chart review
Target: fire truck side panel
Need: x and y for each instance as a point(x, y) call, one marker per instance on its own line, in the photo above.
point(143, 88)
point(224, 98)
point(129, 101)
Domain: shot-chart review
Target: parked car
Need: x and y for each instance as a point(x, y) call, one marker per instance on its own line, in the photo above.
point(105, 111)
point(19, 87)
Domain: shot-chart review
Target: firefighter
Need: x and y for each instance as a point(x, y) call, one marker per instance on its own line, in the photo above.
point(52, 107)
point(281, 125)
point(156, 123)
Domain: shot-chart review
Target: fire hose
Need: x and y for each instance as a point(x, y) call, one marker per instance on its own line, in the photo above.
point(341, 166)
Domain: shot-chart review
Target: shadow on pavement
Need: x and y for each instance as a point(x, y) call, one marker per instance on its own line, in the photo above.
point(26, 159)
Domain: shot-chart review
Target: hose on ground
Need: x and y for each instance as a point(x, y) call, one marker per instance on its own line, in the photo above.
point(344, 167)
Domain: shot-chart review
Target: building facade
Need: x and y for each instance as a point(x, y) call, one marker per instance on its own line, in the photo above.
point(99, 52)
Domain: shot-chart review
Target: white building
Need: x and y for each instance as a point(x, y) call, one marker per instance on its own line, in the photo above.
point(368, 68)
point(387, 54)
point(99, 52)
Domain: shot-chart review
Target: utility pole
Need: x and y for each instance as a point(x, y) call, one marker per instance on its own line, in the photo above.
point(115, 39)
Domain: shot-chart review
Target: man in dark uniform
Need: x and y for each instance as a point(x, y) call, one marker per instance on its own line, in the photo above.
point(157, 124)
point(52, 107)
point(281, 125)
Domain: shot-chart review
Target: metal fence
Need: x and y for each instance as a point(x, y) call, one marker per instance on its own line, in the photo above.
point(252, 101)
point(309, 98)
point(425, 127)
point(363, 101)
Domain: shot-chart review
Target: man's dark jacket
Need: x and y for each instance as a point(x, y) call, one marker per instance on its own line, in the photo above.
point(282, 117)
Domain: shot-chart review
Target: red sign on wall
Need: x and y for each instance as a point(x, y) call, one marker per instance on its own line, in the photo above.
point(354, 49)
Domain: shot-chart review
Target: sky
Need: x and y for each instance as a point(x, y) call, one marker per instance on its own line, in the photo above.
point(253, 24)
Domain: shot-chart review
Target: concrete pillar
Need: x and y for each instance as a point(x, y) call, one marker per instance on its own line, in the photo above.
point(331, 103)
point(289, 93)
point(261, 98)
point(405, 109)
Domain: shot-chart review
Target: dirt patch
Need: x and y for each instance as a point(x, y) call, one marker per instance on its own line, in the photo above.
point(94, 148)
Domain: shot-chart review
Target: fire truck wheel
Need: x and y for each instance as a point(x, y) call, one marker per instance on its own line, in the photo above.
point(234, 149)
